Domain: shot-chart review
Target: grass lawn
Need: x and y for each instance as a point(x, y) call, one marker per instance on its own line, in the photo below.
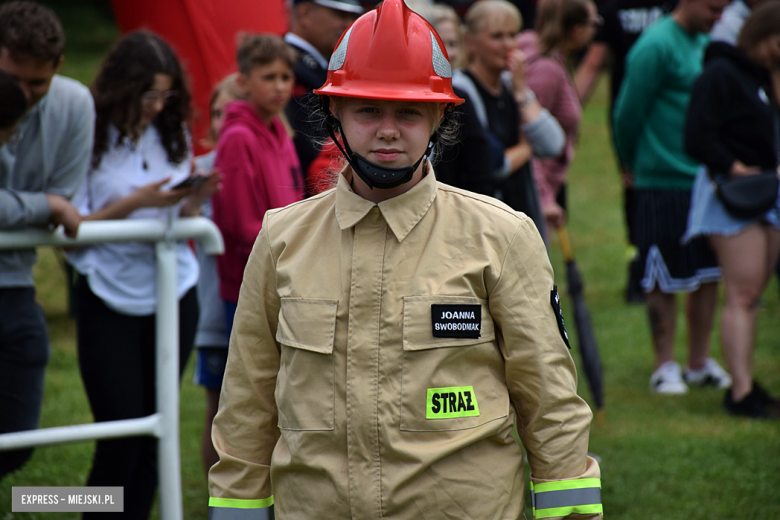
point(662, 457)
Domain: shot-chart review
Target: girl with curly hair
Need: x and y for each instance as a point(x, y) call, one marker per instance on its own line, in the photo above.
point(141, 153)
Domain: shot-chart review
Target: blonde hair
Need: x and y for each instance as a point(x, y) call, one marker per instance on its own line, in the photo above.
point(229, 86)
point(442, 13)
point(422, 7)
point(555, 19)
point(478, 13)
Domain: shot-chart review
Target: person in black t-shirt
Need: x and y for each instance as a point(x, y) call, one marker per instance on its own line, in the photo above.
point(624, 22)
point(502, 123)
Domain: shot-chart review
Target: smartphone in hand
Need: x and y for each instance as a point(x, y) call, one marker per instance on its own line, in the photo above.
point(193, 181)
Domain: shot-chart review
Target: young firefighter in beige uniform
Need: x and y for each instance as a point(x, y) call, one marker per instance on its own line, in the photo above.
point(391, 330)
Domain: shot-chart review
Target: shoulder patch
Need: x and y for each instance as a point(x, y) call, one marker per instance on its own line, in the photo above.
point(555, 301)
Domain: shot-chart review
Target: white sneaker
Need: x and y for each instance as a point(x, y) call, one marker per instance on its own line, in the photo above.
point(711, 374)
point(668, 379)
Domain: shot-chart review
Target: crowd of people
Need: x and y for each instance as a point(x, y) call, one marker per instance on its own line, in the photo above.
point(348, 130)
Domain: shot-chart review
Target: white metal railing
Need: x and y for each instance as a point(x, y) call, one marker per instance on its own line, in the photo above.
point(165, 423)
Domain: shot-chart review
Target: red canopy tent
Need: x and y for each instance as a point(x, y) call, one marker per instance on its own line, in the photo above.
point(203, 34)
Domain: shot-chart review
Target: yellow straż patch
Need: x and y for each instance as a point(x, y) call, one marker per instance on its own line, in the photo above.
point(451, 402)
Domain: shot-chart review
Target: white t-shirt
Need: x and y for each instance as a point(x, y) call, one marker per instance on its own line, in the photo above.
point(124, 275)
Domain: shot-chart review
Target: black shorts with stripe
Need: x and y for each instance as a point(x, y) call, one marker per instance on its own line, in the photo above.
point(660, 220)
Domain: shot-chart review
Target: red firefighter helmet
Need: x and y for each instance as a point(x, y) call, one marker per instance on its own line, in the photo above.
point(391, 53)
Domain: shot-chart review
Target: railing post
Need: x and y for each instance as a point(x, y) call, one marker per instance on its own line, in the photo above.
point(169, 464)
point(165, 423)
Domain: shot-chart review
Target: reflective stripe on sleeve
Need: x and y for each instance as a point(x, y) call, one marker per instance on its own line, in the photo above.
point(237, 509)
point(566, 497)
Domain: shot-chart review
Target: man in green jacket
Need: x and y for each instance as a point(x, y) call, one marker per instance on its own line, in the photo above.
point(649, 119)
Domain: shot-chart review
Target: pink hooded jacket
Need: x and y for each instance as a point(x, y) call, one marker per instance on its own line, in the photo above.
point(260, 171)
point(554, 88)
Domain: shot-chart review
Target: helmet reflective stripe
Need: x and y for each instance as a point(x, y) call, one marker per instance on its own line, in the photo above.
point(340, 54)
point(441, 64)
point(566, 497)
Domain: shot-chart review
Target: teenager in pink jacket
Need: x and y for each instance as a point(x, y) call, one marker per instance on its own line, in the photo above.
point(255, 156)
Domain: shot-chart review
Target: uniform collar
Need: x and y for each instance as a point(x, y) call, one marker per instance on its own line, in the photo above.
point(401, 213)
point(297, 41)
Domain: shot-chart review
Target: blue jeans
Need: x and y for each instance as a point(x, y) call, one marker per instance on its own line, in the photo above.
point(24, 352)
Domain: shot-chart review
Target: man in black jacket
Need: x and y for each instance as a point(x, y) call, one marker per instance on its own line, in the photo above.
point(315, 29)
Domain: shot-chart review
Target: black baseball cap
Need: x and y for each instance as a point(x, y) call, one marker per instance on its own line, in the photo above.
point(349, 6)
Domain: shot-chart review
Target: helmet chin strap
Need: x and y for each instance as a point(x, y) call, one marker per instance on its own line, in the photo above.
point(375, 175)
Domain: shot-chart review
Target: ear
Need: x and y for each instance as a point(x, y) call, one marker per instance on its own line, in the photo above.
point(242, 82)
point(303, 10)
point(58, 63)
point(332, 108)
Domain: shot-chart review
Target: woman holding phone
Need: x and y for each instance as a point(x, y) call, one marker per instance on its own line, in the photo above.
point(141, 147)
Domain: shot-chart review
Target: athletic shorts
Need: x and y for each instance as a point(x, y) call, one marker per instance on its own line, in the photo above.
point(661, 219)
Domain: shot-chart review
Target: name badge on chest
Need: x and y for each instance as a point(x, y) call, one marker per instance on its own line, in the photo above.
point(456, 321)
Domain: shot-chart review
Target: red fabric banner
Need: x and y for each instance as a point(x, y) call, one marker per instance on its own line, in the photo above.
point(203, 34)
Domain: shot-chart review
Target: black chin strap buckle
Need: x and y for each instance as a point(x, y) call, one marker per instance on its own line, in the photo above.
point(379, 176)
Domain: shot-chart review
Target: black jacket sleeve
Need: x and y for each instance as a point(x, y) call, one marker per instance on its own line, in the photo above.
point(471, 162)
point(705, 121)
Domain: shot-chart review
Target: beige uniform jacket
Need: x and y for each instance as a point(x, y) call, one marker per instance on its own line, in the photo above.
point(339, 401)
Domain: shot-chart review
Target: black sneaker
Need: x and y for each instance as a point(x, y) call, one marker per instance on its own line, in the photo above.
point(770, 403)
point(753, 405)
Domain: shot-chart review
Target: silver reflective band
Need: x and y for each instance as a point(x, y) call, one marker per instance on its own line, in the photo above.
point(566, 498)
point(235, 513)
point(340, 54)
point(441, 65)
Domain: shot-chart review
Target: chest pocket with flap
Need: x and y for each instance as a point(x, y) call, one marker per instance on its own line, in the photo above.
point(462, 368)
point(305, 390)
